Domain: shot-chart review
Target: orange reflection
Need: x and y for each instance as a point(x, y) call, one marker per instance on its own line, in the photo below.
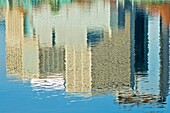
point(165, 13)
point(163, 9)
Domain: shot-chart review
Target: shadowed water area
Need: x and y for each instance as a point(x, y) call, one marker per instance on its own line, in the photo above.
point(84, 56)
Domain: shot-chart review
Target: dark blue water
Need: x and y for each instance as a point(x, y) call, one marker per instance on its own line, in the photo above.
point(94, 56)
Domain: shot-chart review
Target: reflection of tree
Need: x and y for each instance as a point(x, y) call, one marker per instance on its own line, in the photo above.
point(55, 5)
point(35, 2)
point(2, 3)
point(10, 3)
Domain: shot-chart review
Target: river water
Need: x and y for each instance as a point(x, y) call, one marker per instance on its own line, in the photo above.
point(84, 56)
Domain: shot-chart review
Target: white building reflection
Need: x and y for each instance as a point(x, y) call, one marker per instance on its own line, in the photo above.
point(27, 59)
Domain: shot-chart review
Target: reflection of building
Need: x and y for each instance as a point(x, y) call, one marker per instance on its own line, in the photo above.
point(71, 24)
point(142, 90)
point(111, 59)
point(121, 14)
point(162, 11)
point(141, 41)
point(30, 59)
point(21, 53)
point(25, 57)
point(96, 53)
point(164, 61)
point(113, 14)
point(78, 69)
point(147, 33)
point(14, 40)
point(145, 84)
point(76, 29)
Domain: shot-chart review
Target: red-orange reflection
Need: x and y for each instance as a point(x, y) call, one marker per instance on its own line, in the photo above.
point(163, 9)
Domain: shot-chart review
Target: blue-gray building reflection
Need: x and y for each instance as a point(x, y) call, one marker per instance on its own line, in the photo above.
point(164, 61)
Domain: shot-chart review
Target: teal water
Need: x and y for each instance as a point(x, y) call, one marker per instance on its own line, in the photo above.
point(94, 56)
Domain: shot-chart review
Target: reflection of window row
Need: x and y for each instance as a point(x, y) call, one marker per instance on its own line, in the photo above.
point(51, 60)
point(48, 61)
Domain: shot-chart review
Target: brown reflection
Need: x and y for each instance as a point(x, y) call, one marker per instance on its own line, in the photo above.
point(165, 12)
point(111, 59)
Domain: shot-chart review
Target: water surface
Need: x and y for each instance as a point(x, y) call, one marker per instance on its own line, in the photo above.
point(94, 56)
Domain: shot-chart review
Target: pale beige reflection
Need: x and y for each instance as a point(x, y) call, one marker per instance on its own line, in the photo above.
point(78, 69)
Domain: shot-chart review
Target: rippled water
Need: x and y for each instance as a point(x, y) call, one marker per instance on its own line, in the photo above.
point(84, 56)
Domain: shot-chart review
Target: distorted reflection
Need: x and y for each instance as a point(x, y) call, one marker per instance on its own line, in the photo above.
point(118, 47)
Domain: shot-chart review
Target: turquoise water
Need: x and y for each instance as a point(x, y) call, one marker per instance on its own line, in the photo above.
point(94, 56)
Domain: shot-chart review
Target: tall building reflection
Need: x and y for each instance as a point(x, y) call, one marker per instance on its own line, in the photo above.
point(164, 62)
point(110, 58)
point(78, 69)
point(55, 5)
point(163, 11)
point(26, 58)
point(14, 40)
